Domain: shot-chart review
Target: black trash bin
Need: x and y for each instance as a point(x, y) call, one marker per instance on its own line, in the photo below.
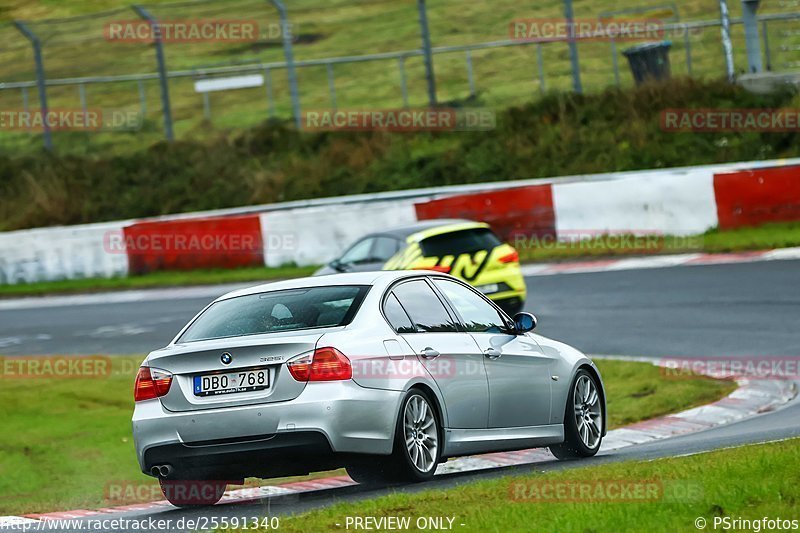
point(649, 61)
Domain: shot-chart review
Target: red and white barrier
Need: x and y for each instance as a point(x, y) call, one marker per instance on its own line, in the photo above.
point(670, 202)
point(754, 197)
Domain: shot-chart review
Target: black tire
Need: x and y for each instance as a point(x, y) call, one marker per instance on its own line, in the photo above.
point(187, 494)
point(574, 445)
point(401, 466)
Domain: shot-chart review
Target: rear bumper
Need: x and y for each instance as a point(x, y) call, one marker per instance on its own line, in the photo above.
point(265, 456)
point(326, 421)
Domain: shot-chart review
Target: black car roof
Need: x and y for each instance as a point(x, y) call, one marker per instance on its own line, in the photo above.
point(404, 232)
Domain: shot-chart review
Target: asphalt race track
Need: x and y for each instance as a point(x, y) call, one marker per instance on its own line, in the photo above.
point(746, 309)
point(735, 310)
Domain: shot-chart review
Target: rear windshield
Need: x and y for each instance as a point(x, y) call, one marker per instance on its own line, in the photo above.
point(272, 312)
point(466, 241)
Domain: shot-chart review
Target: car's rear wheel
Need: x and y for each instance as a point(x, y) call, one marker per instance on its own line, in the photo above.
point(417, 446)
point(583, 419)
point(188, 493)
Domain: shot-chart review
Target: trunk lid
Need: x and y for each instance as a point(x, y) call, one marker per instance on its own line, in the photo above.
point(268, 352)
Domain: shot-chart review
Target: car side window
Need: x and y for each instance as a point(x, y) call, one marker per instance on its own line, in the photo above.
point(360, 252)
point(479, 315)
point(385, 248)
point(397, 316)
point(424, 307)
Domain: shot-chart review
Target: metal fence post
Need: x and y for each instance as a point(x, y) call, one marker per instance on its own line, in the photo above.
point(40, 80)
point(727, 45)
point(540, 64)
point(288, 51)
point(142, 98)
point(162, 69)
point(206, 106)
point(569, 15)
point(268, 86)
point(766, 45)
point(470, 74)
point(427, 52)
point(614, 61)
point(84, 101)
point(751, 39)
point(25, 103)
point(401, 66)
point(331, 85)
point(688, 45)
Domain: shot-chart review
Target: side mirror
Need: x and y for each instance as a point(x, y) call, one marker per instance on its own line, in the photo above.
point(337, 266)
point(524, 322)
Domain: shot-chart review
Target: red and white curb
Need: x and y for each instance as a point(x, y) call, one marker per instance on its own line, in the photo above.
point(752, 397)
point(658, 261)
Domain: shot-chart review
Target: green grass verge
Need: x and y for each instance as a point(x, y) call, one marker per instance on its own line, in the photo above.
point(761, 238)
point(67, 443)
point(156, 279)
point(766, 237)
point(749, 482)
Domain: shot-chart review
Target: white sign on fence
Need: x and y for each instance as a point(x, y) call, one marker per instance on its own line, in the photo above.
point(224, 84)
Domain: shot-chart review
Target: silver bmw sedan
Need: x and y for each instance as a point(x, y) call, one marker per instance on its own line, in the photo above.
point(387, 374)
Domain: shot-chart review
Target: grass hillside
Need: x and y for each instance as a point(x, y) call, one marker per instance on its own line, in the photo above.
point(560, 134)
point(503, 77)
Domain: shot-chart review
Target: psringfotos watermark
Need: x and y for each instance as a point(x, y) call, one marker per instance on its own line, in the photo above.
point(730, 120)
point(606, 491)
point(752, 367)
point(400, 120)
point(70, 119)
point(64, 367)
point(764, 523)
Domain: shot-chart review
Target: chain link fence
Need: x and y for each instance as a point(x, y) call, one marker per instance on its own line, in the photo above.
point(348, 54)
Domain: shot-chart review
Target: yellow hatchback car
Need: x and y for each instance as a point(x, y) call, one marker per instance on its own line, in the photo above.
point(468, 250)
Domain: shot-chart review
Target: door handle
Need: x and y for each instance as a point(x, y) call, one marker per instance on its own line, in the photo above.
point(430, 353)
point(493, 354)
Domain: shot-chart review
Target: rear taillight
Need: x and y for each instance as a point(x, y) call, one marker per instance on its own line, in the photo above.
point(326, 364)
point(513, 257)
point(151, 383)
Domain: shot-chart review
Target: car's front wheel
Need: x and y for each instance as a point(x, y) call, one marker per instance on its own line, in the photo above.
point(583, 419)
point(417, 446)
point(186, 493)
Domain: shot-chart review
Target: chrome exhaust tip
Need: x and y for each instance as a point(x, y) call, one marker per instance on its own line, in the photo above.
point(162, 471)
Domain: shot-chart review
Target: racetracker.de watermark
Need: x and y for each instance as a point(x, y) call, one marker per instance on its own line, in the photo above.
point(400, 120)
point(628, 240)
point(62, 367)
point(70, 119)
point(768, 368)
point(559, 29)
point(179, 243)
point(605, 491)
point(443, 367)
point(194, 31)
point(730, 120)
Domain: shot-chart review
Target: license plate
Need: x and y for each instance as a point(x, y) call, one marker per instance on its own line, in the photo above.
point(231, 383)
